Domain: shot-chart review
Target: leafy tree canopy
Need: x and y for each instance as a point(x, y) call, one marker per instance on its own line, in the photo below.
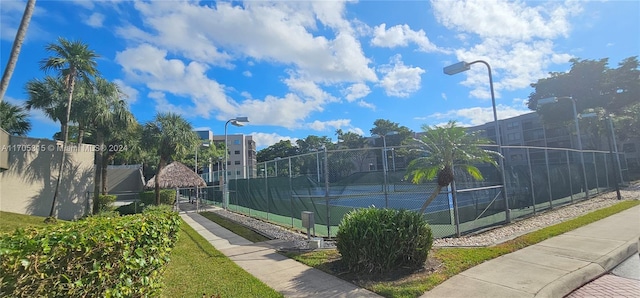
point(592, 84)
point(395, 134)
point(351, 140)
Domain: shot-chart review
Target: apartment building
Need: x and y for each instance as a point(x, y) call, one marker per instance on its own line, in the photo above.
point(241, 160)
point(528, 130)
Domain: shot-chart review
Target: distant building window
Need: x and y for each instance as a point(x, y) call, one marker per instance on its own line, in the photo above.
point(238, 173)
point(236, 142)
point(513, 136)
point(513, 125)
point(237, 162)
point(237, 152)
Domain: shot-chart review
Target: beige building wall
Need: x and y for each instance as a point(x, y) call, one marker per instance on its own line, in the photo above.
point(28, 185)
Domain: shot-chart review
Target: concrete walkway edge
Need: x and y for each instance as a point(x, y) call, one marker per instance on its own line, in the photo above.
point(554, 267)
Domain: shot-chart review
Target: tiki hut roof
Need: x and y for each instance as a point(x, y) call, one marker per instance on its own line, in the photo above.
point(177, 175)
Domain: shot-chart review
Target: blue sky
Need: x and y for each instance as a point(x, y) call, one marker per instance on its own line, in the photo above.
point(299, 68)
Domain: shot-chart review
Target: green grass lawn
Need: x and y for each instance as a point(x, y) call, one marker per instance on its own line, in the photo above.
point(452, 260)
point(237, 229)
point(9, 222)
point(197, 268)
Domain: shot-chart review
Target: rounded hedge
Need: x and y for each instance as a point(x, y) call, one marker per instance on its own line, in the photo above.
point(380, 240)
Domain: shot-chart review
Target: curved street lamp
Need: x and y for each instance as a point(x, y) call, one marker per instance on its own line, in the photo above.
point(237, 121)
point(464, 66)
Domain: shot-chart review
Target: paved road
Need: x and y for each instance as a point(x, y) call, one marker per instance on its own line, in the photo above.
point(622, 281)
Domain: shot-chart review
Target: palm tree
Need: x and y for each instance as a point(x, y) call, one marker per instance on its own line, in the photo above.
point(72, 60)
point(448, 147)
point(13, 119)
point(17, 45)
point(107, 114)
point(170, 136)
point(48, 95)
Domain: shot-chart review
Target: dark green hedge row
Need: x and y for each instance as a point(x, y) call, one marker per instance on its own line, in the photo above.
point(167, 197)
point(100, 256)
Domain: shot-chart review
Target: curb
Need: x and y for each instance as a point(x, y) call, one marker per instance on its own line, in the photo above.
point(575, 279)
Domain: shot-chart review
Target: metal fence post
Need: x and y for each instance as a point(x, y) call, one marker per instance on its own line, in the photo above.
point(291, 192)
point(546, 161)
point(595, 171)
point(533, 192)
point(266, 189)
point(326, 190)
point(570, 177)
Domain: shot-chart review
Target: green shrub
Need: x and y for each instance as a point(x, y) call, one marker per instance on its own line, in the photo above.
point(105, 203)
point(380, 240)
point(133, 208)
point(101, 256)
point(167, 197)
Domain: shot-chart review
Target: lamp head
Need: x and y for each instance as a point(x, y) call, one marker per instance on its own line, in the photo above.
point(548, 100)
point(236, 123)
point(457, 68)
point(242, 119)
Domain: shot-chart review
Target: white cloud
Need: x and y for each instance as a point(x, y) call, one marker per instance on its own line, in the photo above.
point(269, 31)
point(267, 139)
point(356, 91)
point(400, 80)
point(503, 19)
point(477, 115)
point(288, 111)
point(309, 90)
point(149, 65)
point(329, 125)
point(515, 39)
point(95, 20)
point(247, 74)
point(400, 36)
point(367, 105)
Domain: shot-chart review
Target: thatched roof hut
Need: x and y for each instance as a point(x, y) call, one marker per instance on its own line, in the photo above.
point(177, 175)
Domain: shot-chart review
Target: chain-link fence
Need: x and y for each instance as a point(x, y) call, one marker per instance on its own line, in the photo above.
point(332, 183)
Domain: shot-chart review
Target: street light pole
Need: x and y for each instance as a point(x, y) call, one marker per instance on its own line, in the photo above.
point(236, 122)
point(464, 66)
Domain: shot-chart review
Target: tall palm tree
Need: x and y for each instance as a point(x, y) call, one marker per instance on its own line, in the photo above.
point(13, 119)
point(448, 147)
point(169, 135)
point(107, 115)
point(17, 45)
point(48, 95)
point(73, 60)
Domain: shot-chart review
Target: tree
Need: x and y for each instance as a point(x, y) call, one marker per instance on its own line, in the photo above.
point(73, 60)
point(13, 119)
point(383, 127)
point(448, 147)
point(592, 84)
point(108, 115)
point(170, 136)
point(48, 95)
point(283, 148)
point(15, 48)
point(313, 143)
point(351, 140)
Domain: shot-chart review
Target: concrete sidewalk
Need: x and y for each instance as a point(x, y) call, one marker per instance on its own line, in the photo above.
point(289, 277)
point(554, 267)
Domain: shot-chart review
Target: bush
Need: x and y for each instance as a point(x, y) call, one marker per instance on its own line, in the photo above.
point(133, 208)
point(380, 240)
point(105, 202)
point(167, 197)
point(101, 256)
